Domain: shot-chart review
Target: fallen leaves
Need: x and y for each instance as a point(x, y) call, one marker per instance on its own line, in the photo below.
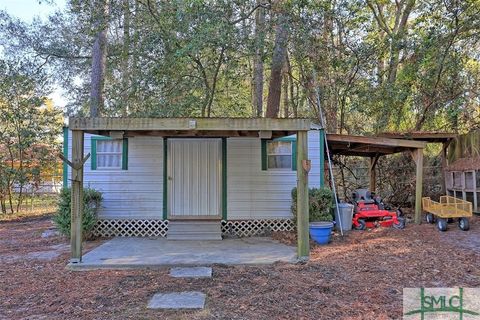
point(360, 276)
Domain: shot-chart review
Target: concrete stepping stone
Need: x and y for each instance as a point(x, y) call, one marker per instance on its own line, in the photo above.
point(178, 300)
point(192, 272)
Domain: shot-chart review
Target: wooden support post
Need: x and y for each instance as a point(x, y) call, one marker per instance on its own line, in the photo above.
point(418, 157)
point(373, 175)
point(303, 245)
point(444, 166)
point(77, 196)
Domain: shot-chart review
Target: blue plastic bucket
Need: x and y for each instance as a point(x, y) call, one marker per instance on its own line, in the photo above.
point(320, 231)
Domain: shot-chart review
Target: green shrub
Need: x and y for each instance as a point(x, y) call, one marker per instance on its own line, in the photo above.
point(321, 203)
point(91, 202)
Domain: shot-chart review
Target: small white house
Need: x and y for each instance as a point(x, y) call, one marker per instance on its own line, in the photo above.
point(204, 178)
point(189, 186)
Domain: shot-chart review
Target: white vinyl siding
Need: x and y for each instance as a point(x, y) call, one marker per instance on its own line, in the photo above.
point(135, 193)
point(254, 193)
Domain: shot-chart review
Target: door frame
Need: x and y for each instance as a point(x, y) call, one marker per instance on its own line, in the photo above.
point(167, 166)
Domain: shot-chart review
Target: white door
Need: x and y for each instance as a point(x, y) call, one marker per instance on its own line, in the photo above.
point(194, 178)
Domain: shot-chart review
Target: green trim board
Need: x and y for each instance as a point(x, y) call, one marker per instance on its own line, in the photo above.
point(224, 178)
point(65, 154)
point(165, 182)
point(93, 149)
point(294, 155)
point(321, 139)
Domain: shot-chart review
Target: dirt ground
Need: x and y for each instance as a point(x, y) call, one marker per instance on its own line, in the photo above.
point(358, 277)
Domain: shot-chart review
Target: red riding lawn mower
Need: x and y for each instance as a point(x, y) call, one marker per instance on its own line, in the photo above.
point(369, 212)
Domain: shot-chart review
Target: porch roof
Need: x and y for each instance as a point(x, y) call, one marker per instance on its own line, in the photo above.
point(191, 127)
point(350, 145)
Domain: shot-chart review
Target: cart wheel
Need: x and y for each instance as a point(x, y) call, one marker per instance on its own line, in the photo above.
point(442, 224)
point(401, 223)
point(430, 218)
point(362, 225)
point(463, 224)
point(399, 212)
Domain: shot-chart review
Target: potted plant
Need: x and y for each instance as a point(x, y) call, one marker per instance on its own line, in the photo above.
point(320, 207)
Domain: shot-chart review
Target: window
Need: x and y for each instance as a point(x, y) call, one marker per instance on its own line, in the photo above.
point(477, 177)
point(279, 154)
point(469, 180)
point(457, 180)
point(109, 154)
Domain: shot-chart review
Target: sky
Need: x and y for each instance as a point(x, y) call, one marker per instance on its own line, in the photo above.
point(26, 10)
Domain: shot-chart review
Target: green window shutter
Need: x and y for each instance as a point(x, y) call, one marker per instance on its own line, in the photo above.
point(93, 150)
point(294, 155)
point(264, 154)
point(125, 154)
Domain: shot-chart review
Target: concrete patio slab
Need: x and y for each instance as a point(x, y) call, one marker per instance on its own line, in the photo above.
point(121, 253)
point(178, 300)
point(191, 272)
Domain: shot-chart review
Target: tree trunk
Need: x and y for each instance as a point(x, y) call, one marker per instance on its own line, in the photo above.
point(278, 59)
point(125, 57)
point(214, 82)
point(286, 108)
point(258, 59)
point(395, 34)
point(134, 70)
point(99, 58)
point(381, 61)
point(397, 39)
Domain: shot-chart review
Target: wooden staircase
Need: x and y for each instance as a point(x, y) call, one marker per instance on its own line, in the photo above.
point(194, 230)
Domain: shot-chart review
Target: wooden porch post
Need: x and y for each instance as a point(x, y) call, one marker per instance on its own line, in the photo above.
point(418, 157)
point(303, 245)
point(77, 196)
point(373, 175)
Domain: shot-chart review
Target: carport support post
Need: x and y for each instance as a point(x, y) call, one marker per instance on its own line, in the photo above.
point(77, 196)
point(373, 175)
point(418, 157)
point(444, 166)
point(303, 245)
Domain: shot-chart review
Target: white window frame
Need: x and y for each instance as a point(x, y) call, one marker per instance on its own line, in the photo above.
point(120, 154)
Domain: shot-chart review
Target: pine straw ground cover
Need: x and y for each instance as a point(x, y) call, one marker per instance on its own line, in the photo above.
point(358, 277)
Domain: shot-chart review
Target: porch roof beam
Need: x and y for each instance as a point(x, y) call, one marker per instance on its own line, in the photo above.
point(336, 139)
point(188, 124)
point(192, 133)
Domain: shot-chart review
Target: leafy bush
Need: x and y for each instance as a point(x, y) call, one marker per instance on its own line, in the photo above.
point(321, 203)
point(91, 202)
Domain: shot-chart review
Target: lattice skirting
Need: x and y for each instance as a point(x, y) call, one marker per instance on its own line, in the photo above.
point(130, 228)
point(248, 228)
point(159, 228)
